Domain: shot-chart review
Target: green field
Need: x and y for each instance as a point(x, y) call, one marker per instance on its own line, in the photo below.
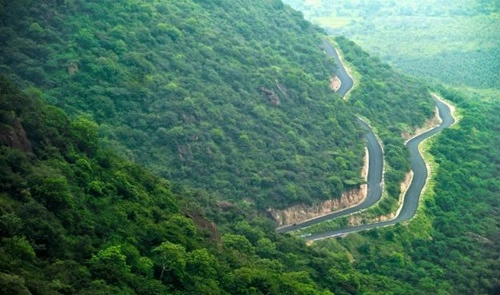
point(455, 42)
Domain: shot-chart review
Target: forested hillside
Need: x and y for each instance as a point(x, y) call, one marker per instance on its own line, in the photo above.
point(78, 219)
point(231, 96)
point(452, 245)
point(228, 100)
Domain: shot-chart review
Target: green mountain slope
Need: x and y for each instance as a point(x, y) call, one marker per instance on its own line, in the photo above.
point(77, 219)
point(225, 95)
point(452, 245)
point(229, 96)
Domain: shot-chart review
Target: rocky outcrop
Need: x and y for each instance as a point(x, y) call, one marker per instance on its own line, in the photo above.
point(14, 136)
point(302, 212)
point(271, 95)
point(206, 225)
point(72, 68)
point(335, 83)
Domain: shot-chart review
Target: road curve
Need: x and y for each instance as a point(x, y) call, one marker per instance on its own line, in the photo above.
point(412, 195)
point(374, 183)
point(418, 166)
point(375, 164)
point(346, 80)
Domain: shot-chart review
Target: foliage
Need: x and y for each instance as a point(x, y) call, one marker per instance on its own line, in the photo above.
point(75, 220)
point(457, 254)
point(230, 96)
point(454, 42)
point(178, 85)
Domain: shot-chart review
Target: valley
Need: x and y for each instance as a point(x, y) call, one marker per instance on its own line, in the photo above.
point(146, 145)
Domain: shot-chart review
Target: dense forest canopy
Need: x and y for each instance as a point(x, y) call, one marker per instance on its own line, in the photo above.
point(228, 100)
point(77, 219)
point(452, 245)
point(231, 96)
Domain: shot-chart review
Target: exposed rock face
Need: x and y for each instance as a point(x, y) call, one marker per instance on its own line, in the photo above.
point(203, 223)
point(72, 68)
point(302, 212)
point(271, 95)
point(299, 213)
point(335, 83)
point(14, 136)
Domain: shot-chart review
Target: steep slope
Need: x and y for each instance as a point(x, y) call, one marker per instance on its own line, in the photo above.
point(231, 96)
point(394, 104)
point(77, 219)
point(452, 245)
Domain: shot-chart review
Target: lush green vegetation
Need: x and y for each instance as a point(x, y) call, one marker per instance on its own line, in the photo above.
point(458, 253)
point(231, 96)
point(225, 95)
point(451, 245)
point(454, 41)
point(393, 104)
point(77, 219)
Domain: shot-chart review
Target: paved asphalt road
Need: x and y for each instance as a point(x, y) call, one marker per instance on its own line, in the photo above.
point(418, 166)
point(412, 196)
point(376, 158)
point(374, 181)
point(339, 69)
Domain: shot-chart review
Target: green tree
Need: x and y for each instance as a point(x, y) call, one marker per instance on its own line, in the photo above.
point(85, 135)
point(110, 264)
point(171, 258)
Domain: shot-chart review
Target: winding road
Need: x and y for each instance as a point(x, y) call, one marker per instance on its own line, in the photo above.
point(375, 157)
point(374, 182)
point(412, 195)
point(345, 79)
point(418, 166)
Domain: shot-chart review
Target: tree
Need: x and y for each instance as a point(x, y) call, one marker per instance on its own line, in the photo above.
point(110, 265)
point(85, 135)
point(237, 243)
point(171, 258)
point(202, 270)
point(12, 284)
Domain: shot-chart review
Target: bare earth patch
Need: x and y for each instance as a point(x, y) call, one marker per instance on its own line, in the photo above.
point(303, 212)
point(335, 83)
